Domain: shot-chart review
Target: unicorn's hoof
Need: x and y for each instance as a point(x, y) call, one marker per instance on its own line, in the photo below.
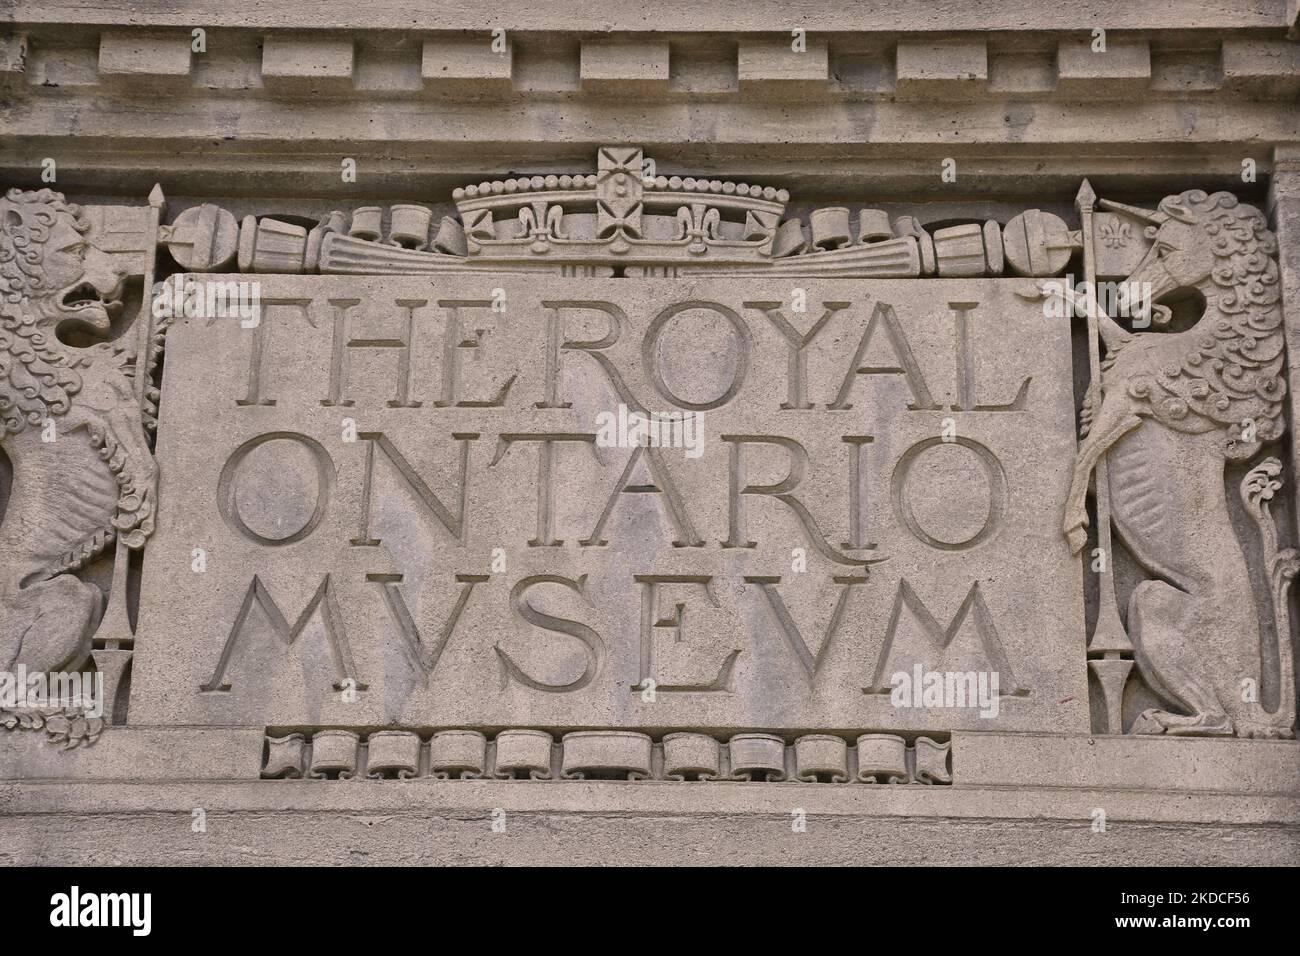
point(1076, 538)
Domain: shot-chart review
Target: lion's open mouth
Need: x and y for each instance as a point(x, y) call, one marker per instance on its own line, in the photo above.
point(87, 304)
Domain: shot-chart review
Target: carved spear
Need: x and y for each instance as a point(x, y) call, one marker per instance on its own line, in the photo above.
point(111, 646)
point(1109, 649)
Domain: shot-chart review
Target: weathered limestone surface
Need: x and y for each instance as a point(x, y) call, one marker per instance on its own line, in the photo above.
point(778, 624)
point(593, 823)
point(661, 435)
point(997, 820)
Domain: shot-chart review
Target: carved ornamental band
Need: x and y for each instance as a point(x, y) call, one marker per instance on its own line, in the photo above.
point(616, 473)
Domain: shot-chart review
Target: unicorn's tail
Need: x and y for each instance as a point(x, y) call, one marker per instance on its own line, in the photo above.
point(1282, 565)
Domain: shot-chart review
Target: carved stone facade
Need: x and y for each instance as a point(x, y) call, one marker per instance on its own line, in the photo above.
point(543, 420)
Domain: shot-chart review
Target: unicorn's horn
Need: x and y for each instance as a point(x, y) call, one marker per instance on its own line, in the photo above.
point(1150, 215)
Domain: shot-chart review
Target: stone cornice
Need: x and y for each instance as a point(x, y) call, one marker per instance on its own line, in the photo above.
point(732, 16)
point(419, 98)
point(839, 67)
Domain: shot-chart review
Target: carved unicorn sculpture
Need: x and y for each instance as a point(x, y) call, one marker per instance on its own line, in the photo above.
point(1170, 410)
point(83, 473)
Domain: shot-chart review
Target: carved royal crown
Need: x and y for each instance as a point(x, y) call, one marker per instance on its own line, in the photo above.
point(620, 212)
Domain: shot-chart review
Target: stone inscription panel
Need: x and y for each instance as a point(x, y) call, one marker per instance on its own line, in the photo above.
point(436, 502)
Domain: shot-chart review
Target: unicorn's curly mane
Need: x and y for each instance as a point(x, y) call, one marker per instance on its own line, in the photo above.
point(36, 380)
point(1230, 369)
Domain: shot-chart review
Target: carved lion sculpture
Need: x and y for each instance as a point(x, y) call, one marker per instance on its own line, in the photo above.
point(71, 425)
point(1174, 408)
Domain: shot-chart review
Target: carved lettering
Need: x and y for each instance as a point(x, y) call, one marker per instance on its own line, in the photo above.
point(973, 607)
point(797, 358)
point(455, 340)
point(259, 348)
point(546, 442)
point(423, 657)
point(591, 642)
point(323, 601)
point(810, 663)
point(966, 367)
point(782, 491)
point(653, 621)
point(343, 346)
point(995, 476)
point(884, 316)
point(454, 522)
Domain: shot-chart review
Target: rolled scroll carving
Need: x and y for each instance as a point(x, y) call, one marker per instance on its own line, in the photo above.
point(603, 753)
point(334, 754)
point(757, 757)
point(524, 754)
point(691, 757)
point(454, 753)
point(882, 758)
point(392, 753)
point(285, 756)
point(821, 758)
point(932, 761)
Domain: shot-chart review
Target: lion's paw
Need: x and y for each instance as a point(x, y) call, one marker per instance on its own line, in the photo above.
point(1147, 723)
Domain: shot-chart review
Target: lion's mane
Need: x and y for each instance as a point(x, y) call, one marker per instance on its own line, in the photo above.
point(36, 380)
